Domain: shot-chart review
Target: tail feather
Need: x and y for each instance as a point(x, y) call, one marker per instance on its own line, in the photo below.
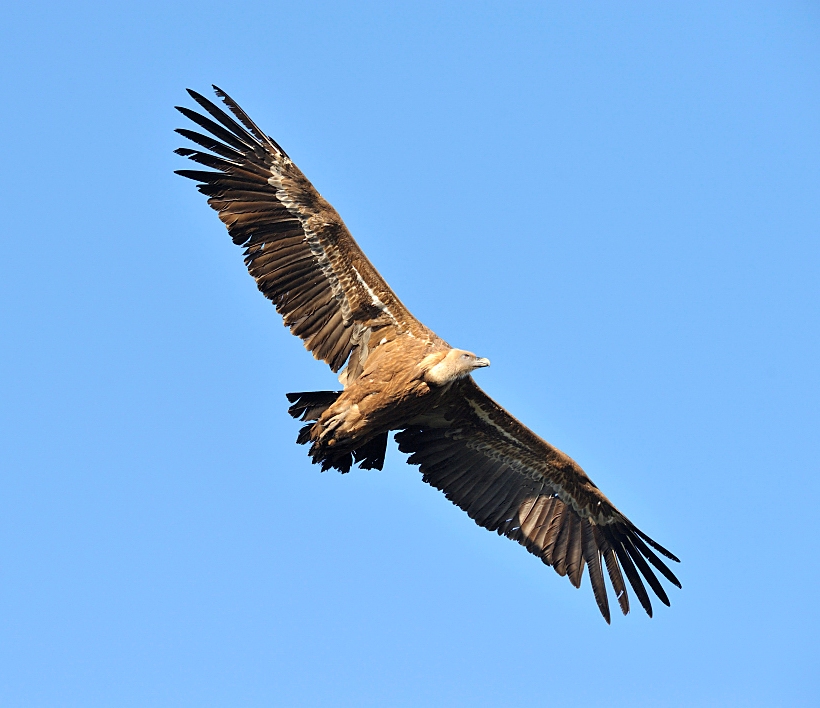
point(309, 406)
point(370, 456)
point(304, 434)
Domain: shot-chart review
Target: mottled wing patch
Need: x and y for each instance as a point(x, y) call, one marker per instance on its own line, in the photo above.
point(510, 481)
point(297, 247)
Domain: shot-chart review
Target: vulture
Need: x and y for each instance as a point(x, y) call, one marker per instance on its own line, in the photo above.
point(399, 376)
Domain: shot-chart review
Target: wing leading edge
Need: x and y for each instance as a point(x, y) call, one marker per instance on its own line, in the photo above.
point(511, 481)
point(306, 262)
point(297, 247)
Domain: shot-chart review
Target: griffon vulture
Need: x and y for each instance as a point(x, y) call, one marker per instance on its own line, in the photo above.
point(397, 375)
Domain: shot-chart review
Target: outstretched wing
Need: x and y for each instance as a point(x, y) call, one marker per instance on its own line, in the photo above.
point(297, 247)
point(511, 481)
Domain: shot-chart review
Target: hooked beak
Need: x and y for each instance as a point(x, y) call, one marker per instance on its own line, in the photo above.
point(479, 362)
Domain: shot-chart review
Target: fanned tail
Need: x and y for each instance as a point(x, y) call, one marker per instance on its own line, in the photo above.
point(309, 406)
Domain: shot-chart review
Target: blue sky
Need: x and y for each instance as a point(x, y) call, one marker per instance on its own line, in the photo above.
point(616, 203)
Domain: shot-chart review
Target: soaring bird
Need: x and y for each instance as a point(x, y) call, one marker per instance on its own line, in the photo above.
point(397, 375)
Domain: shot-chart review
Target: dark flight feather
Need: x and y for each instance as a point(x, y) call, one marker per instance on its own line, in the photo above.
point(503, 475)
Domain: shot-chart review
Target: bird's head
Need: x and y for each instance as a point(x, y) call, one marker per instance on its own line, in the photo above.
point(457, 364)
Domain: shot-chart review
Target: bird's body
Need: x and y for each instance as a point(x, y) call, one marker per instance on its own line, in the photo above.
point(400, 376)
point(403, 382)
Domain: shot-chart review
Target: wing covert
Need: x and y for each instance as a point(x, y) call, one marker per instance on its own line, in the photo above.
point(297, 247)
point(511, 481)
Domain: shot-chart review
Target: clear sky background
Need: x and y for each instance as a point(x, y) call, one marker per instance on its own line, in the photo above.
point(617, 203)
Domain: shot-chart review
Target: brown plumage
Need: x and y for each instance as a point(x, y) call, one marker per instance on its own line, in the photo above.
point(399, 376)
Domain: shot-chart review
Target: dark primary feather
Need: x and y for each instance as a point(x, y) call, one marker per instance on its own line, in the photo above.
point(296, 246)
point(509, 480)
point(592, 556)
point(500, 473)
